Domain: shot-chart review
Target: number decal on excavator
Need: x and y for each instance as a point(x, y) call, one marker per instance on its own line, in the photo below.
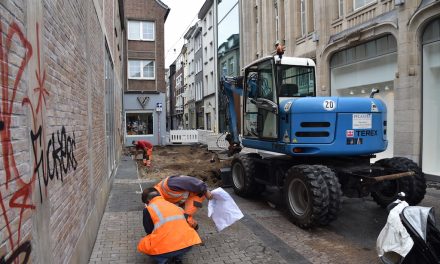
point(329, 105)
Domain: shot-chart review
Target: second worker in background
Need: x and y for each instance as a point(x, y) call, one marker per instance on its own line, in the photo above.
point(147, 150)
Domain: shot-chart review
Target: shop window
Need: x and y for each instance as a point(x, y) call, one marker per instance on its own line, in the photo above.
point(139, 123)
point(431, 93)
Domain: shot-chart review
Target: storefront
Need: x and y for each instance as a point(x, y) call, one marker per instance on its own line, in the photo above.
point(145, 118)
point(430, 99)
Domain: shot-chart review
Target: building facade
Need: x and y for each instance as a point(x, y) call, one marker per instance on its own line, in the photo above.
point(228, 54)
point(167, 98)
point(145, 90)
point(358, 45)
point(178, 90)
point(60, 125)
point(171, 118)
point(198, 78)
point(209, 49)
point(190, 106)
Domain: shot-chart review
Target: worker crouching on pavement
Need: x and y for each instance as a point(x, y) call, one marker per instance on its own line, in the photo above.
point(147, 149)
point(169, 236)
point(187, 192)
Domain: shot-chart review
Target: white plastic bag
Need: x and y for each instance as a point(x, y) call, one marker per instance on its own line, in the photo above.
point(222, 209)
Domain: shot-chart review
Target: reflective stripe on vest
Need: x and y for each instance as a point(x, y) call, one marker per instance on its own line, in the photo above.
point(163, 220)
point(183, 196)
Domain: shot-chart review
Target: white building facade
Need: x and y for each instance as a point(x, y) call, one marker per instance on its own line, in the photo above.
point(209, 49)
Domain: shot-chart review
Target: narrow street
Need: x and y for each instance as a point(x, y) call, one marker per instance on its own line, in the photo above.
point(264, 235)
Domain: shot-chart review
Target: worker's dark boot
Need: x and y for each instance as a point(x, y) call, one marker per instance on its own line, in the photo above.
point(174, 260)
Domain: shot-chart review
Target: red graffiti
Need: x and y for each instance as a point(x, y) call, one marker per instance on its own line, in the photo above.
point(21, 199)
point(11, 170)
point(60, 150)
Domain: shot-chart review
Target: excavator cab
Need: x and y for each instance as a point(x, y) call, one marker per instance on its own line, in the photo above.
point(268, 82)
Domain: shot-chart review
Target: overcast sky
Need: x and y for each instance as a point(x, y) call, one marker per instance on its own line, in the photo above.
point(182, 16)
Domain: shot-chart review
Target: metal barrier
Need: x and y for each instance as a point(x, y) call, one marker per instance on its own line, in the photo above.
point(184, 136)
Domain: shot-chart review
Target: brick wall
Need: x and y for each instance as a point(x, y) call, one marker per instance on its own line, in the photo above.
point(53, 160)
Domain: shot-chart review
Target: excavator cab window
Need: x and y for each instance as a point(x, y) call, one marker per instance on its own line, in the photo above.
point(295, 81)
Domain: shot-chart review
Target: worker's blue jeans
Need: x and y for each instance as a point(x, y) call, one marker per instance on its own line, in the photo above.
point(177, 255)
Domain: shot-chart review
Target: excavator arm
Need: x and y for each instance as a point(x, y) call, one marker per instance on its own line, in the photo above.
point(230, 86)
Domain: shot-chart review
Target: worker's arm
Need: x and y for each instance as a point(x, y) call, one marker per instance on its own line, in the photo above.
point(187, 183)
point(148, 223)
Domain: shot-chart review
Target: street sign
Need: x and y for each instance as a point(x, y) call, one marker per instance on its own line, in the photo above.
point(158, 107)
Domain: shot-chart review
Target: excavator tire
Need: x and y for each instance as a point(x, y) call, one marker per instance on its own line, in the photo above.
point(334, 193)
point(306, 196)
point(414, 187)
point(243, 176)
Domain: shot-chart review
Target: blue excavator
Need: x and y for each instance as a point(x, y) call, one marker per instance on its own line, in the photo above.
point(325, 144)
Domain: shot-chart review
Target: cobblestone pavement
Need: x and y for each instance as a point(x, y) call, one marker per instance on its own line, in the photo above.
point(264, 235)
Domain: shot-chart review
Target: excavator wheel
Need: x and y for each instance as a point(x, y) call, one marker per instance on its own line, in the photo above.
point(306, 196)
point(414, 187)
point(243, 176)
point(334, 193)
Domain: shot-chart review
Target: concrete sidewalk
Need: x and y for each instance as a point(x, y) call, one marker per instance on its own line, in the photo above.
point(121, 229)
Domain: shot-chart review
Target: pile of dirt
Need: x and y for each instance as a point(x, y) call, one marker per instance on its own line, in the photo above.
point(193, 160)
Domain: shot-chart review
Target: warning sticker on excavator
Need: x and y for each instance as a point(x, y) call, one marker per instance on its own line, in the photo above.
point(362, 121)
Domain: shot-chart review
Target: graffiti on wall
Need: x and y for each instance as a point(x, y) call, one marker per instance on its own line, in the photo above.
point(53, 156)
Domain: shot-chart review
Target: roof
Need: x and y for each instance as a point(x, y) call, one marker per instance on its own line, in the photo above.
point(206, 6)
point(285, 61)
point(165, 7)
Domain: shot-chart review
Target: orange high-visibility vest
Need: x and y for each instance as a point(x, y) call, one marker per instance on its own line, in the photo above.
point(171, 231)
point(170, 195)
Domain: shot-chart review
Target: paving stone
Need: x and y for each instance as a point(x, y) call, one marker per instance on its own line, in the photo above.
point(264, 235)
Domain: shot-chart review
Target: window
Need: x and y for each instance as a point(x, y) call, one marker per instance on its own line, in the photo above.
point(208, 121)
point(109, 83)
point(231, 66)
point(224, 71)
point(139, 123)
point(361, 3)
point(303, 17)
point(141, 30)
point(341, 8)
point(198, 42)
point(141, 69)
point(431, 93)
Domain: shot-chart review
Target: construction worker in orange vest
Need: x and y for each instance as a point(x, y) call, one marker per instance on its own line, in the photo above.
point(169, 236)
point(187, 192)
point(147, 149)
